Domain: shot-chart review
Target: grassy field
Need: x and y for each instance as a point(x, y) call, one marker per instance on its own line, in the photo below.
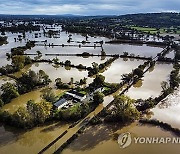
point(145, 29)
point(154, 30)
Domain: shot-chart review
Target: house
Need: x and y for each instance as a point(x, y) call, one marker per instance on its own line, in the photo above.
point(60, 103)
point(76, 96)
point(68, 99)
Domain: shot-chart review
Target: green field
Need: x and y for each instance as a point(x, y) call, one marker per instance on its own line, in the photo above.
point(145, 29)
point(154, 30)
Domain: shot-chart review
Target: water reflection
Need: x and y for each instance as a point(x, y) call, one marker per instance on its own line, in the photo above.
point(93, 136)
point(151, 86)
point(103, 139)
point(31, 141)
point(168, 110)
point(119, 67)
point(98, 139)
point(138, 84)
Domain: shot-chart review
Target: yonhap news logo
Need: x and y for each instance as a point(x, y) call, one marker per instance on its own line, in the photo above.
point(126, 139)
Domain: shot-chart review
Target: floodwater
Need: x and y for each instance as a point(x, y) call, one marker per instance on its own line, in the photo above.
point(61, 72)
point(168, 110)
point(98, 139)
point(118, 68)
point(5, 79)
point(150, 85)
point(23, 99)
point(74, 130)
point(104, 139)
point(31, 141)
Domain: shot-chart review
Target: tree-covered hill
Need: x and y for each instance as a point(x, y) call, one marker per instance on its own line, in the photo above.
point(157, 20)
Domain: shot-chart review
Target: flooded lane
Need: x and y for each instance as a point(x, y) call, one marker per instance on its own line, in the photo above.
point(103, 139)
point(96, 139)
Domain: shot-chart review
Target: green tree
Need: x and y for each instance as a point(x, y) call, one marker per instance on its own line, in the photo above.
point(22, 118)
point(55, 60)
point(125, 53)
point(39, 112)
point(83, 81)
point(67, 63)
point(43, 78)
point(98, 97)
point(165, 86)
point(61, 85)
point(27, 82)
point(18, 62)
point(124, 110)
point(9, 91)
point(48, 95)
point(71, 80)
point(127, 77)
point(58, 80)
point(139, 72)
point(39, 53)
point(28, 60)
point(99, 81)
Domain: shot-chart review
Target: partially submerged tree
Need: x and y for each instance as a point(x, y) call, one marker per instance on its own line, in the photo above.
point(98, 97)
point(123, 110)
point(9, 91)
point(48, 95)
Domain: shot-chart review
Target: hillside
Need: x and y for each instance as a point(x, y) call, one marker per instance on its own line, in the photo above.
point(156, 20)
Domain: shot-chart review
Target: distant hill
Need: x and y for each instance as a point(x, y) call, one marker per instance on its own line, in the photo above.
point(156, 20)
point(49, 17)
point(151, 19)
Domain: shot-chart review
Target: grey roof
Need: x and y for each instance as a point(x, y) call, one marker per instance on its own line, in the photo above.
point(76, 93)
point(60, 102)
point(75, 96)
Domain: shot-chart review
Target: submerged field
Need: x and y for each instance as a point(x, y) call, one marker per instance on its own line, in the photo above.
point(101, 138)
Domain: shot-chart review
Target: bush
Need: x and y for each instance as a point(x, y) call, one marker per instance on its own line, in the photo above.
point(9, 91)
point(98, 98)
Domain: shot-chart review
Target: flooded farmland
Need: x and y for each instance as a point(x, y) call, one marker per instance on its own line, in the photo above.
point(101, 138)
point(168, 110)
point(150, 86)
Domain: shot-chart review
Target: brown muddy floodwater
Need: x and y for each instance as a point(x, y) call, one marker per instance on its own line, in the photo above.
point(61, 72)
point(150, 85)
point(23, 99)
point(28, 142)
point(96, 139)
point(103, 139)
point(119, 67)
point(168, 110)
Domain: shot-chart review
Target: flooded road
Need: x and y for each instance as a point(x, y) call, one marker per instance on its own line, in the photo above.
point(103, 139)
